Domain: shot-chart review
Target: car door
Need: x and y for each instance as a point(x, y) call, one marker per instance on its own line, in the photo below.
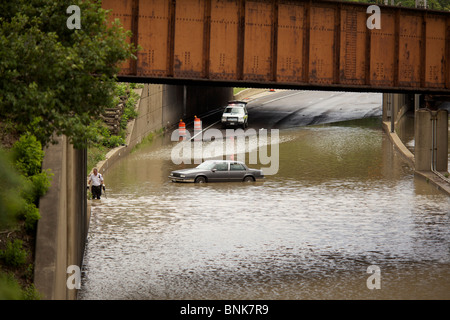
point(219, 172)
point(237, 171)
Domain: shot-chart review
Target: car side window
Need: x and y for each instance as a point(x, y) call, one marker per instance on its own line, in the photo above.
point(236, 167)
point(221, 166)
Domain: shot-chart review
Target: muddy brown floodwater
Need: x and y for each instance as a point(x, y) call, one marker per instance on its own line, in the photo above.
point(342, 200)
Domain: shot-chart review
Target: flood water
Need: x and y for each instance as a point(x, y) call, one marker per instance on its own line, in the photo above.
point(343, 200)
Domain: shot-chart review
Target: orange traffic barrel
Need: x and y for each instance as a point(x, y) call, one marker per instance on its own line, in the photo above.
point(197, 129)
point(182, 130)
point(197, 124)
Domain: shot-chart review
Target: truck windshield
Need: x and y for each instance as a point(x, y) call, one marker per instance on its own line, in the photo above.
point(234, 110)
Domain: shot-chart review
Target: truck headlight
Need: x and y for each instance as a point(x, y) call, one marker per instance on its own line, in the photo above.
point(182, 176)
point(224, 119)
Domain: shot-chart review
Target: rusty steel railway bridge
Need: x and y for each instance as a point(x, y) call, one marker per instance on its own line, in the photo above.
point(322, 45)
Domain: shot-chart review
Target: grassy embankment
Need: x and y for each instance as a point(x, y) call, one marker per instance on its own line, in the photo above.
point(105, 140)
point(24, 182)
point(237, 90)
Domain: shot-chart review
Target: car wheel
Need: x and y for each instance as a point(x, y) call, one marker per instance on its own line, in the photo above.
point(249, 179)
point(200, 180)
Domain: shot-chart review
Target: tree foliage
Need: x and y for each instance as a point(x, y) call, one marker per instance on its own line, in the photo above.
point(28, 155)
point(54, 80)
point(431, 4)
point(11, 203)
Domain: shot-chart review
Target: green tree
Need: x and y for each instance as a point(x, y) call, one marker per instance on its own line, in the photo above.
point(54, 80)
point(431, 4)
point(11, 203)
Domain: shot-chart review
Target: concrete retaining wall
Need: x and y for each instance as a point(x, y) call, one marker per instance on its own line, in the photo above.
point(62, 229)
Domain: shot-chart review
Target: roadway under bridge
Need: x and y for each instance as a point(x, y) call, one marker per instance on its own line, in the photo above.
point(326, 45)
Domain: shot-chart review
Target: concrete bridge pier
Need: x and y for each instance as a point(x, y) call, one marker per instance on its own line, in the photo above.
point(431, 140)
point(395, 106)
point(430, 130)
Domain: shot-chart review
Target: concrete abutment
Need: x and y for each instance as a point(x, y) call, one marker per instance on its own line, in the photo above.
point(430, 157)
point(431, 140)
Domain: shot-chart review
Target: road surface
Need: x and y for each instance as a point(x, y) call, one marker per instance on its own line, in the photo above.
point(284, 109)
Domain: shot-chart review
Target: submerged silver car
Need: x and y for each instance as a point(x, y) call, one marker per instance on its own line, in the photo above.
point(217, 171)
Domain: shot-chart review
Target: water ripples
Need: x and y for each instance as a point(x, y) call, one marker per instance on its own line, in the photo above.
point(309, 232)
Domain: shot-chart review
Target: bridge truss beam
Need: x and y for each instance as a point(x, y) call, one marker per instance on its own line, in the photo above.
point(287, 43)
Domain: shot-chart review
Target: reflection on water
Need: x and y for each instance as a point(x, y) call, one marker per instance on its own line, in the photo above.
point(342, 200)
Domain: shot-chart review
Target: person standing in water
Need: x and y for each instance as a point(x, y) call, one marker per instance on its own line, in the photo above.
point(97, 182)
